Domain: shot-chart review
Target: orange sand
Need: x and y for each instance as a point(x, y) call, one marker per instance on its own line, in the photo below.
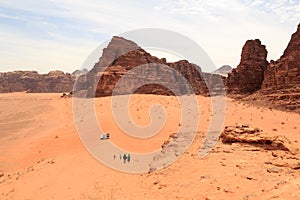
point(42, 156)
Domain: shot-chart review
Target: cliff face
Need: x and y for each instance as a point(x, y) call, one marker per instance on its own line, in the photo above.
point(32, 81)
point(276, 84)
point(118, 58)
point(249, 74)
point(284, 74)
point(281, 85)
point(122, 55)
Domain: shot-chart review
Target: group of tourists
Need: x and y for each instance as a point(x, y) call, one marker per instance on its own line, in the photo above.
point(125, 157)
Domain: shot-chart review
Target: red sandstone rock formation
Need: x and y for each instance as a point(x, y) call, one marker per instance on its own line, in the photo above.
point(122, 55)
point(32, 81)
point(281, 85)
point(276, 85)
point(284, 74)
point(248, 76)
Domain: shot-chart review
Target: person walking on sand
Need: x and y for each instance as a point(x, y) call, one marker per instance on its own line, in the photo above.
point(128, 158)
point(120, 157)
point(124, 158)
point(114, 156)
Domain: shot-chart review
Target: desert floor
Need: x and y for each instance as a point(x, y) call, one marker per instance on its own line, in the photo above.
point(42, 156)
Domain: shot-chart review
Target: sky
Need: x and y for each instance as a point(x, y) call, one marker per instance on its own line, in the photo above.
point(49, 35)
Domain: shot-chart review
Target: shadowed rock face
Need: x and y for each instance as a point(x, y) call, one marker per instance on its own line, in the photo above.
point(281, 85)
point(123, 57)
point(249, 74)
point(284, 74)
point(32, 81)
point(276, 84)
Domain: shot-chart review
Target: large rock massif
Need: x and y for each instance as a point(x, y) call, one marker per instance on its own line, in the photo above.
point(276, 84)
point(249, 74)
point(284, 74)
point(32, 81)
point(127, 65)
point(255, 73)
point(281, 85)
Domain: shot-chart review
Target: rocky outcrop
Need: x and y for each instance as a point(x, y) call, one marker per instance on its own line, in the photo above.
point(254, 136)
point(124, 57)
point(249, 74)
point(32, 81)
point(118, 59)
point(281, 85)
point(283, 75)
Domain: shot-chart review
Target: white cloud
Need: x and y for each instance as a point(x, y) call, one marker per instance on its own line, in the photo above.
point(286, 10)
point(220, 27)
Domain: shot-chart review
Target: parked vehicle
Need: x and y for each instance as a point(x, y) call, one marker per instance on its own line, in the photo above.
point(104, 136)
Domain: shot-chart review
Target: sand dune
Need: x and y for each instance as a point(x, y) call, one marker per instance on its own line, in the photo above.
point(42, 156)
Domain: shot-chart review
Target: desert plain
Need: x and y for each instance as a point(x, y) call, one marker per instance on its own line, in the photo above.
point(42, 156)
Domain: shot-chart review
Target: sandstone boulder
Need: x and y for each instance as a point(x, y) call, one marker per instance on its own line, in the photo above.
point(254, 136)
